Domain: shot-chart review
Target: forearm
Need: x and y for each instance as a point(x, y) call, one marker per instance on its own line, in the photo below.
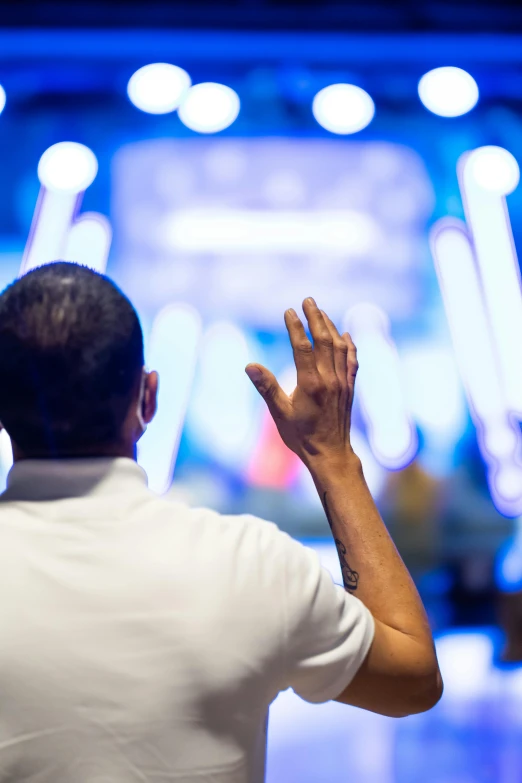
point(371, 565)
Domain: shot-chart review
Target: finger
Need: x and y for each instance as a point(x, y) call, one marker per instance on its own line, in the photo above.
point(308, 376)
point(352, 363)
point(323, 342)
point(340, 350)
point(266, 383)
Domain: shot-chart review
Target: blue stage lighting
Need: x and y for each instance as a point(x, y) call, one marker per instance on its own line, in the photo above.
point(343, 108)
point(508, 566)
point(209, 107)
point(158, 88)
point(448, 91)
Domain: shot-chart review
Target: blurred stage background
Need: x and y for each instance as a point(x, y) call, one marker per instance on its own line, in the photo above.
point(293, 150)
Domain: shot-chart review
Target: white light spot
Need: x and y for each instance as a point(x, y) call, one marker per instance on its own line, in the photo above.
point(343, 108)
point(68, 167)
point(209, 107)
point(3, 99)
point(494, 169)
point(448, 91)
point(158, 88)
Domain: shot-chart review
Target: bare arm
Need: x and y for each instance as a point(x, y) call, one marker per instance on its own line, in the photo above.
point(400, 675)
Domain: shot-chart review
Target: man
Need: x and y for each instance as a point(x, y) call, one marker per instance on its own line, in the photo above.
point(143, 640)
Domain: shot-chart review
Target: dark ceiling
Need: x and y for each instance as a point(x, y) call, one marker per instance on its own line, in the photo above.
point(366, 15)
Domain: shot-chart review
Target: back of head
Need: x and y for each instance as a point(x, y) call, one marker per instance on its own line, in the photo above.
point(71, 354)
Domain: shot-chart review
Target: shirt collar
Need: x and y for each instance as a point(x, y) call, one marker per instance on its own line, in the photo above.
point(52, 479)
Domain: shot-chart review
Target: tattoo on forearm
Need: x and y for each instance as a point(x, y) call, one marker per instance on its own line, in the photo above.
point(327, 511)
point(350, 577)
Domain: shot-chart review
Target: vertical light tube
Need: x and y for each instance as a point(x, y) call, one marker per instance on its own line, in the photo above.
point(65, 171)
point(222, 415)
point(487, 175)
point(391, 432)
point(89, 241)
point(172, 351)
point(499, 437)
point(52, 219)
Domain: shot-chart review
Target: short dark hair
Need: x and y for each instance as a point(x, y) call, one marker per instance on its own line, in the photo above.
point(71, 354)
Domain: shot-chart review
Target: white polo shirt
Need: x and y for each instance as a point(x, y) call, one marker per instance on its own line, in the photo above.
point(142, 641)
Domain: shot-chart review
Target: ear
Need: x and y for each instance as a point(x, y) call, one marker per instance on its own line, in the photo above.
point(150, 396)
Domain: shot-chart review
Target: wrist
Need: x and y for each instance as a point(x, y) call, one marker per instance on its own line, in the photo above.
point(332, 465)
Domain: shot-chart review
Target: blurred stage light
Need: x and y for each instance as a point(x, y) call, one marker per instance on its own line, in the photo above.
point(89, 241)
point(501, 440)
point(508, 481)
point(65, 171)
point(158, 88)
point(476, 353)
point(173, 352)
point(3, 99)
point(67, 167)
point(221, 417)
point(508, 565)
point(494, 169)
point(465, 662)
point(391, 433)
point(486, 175)
point(343, 108)
point(448, 91)
point(236, 231)
point(434, 390)
point(209, 107)
point(271, 463)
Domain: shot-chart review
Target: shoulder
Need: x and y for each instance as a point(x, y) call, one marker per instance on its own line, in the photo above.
point(244, 528)
point(241, 540)
point(248, 532)
point(253, 540)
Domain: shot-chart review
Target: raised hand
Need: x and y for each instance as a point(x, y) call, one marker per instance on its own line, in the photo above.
point(314, 421)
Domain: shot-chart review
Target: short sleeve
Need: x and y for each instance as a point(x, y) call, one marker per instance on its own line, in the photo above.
point(328, 631)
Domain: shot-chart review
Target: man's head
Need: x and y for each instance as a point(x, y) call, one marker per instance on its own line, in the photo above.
point(71, 365)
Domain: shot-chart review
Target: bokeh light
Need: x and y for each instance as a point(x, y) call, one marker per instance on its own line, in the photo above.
point(495, 169)
point(209, 107)
point(67, 167)
point(158, 88)
point(343, 108)
point(448, 91)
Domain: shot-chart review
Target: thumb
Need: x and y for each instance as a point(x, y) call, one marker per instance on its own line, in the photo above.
point(268, 387)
